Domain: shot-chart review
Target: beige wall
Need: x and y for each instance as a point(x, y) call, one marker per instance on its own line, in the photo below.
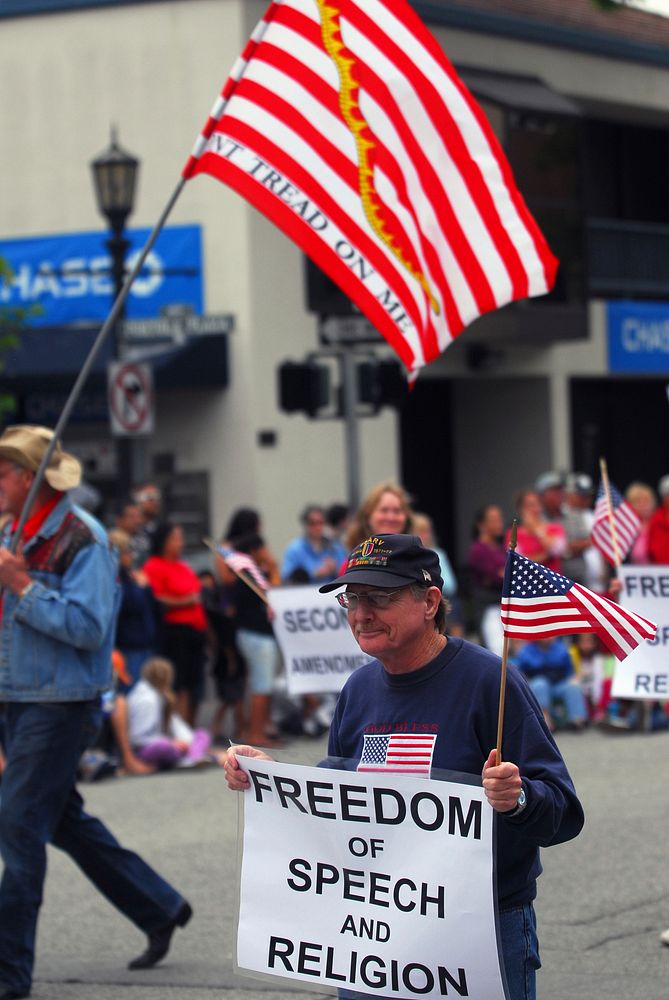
point(154, 70)
point(575, 74)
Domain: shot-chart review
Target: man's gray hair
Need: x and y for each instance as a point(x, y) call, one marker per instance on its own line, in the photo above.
point(443, 611)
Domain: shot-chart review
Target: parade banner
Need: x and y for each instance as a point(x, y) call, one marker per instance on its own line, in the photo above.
point(318, 647)
point(381, 884)
point(644, 675)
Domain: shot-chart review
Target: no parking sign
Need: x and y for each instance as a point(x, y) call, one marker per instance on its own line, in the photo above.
point(130, 393)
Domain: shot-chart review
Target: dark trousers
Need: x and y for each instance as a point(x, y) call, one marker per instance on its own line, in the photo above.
point(39, 804)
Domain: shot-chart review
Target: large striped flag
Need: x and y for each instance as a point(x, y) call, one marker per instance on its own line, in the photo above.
point(627, 525)
point(538, 603)
point(345, 124)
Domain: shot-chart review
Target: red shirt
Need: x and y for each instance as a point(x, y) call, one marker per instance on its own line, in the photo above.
point(658, 537)
point(531, 547)
point(35, 522)
point(173, 578)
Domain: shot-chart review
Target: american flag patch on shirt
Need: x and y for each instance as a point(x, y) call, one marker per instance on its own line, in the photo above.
point(407, 753)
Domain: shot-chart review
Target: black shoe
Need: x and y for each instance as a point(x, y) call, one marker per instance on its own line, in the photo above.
point(159, 943)
point(9, 994)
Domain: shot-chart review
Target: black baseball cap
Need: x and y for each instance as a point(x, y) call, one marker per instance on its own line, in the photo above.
point(389, 561)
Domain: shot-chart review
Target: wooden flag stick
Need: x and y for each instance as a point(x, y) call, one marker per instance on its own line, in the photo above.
point(609, 506)
point(249, 581)
point(505, 657)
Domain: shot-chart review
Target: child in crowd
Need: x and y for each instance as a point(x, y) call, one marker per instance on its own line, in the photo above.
point(159, 736)
point(594, 669)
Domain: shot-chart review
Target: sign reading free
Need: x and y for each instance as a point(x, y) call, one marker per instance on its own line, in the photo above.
point(69, 276)
point(644, 674)
point(638, 337)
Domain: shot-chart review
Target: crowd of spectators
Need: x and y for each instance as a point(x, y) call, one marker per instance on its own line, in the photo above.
point(214, 629)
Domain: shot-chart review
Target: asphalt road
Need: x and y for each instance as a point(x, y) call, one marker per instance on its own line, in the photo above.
point(603, 899)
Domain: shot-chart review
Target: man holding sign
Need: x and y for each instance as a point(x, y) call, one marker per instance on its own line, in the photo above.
point(428, 701)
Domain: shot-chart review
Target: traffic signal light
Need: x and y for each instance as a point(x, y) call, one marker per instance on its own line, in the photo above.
point(304, 387)
point(323, 296)
point(381, 383)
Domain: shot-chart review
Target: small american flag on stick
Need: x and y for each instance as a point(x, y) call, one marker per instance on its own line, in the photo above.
point(398, 752)
point(626, 525)
point(538, 603)
point(240, 563)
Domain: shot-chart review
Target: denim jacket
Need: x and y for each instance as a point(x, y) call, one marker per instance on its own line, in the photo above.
point(56, 642)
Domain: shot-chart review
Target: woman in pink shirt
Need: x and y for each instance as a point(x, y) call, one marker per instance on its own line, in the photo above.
point(538, 539)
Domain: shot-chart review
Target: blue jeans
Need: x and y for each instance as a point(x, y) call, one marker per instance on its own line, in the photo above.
point(520, 950)
point(520, 954)
point(39, 804)
point(568, 692)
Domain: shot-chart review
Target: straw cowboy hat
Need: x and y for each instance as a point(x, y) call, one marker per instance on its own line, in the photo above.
point(26, 444)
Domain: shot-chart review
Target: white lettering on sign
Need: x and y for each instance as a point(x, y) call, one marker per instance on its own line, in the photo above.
point(79, 277)
point(639, 337)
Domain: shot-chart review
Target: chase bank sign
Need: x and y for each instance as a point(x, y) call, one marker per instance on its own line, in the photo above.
point(638, 337)
point(69, 276)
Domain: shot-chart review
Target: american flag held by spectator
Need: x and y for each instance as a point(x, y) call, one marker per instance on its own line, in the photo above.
point(407, 753)
point(627, 525)
point(538, 603)
point(240, 562)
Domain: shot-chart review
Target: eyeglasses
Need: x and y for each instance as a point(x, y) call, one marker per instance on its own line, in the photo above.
point(379, 600)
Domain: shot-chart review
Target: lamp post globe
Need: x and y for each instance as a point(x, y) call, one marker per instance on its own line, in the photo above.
point(115, 180)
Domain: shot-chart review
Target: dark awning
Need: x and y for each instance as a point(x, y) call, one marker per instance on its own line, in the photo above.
point(52, 356)
point(522, 93)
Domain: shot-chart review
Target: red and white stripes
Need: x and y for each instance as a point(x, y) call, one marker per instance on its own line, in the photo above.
point(346, 125)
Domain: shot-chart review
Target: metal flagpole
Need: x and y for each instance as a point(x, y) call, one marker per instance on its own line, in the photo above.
point(75, 392)
point(609, 506)
point(505, 657)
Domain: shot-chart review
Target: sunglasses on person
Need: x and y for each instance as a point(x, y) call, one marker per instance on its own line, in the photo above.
point(379, 600)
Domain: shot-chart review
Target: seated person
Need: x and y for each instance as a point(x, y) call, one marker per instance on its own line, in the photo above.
point(158, 736)
point(549, 670)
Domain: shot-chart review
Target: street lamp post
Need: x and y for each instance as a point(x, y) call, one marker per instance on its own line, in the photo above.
point(115, 180)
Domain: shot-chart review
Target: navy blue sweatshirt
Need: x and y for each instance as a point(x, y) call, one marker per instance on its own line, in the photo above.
point(456, 697)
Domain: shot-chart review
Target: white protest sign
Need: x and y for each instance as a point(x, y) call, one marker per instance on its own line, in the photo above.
point(644, 674)
point(318, 647)
point(382, 884)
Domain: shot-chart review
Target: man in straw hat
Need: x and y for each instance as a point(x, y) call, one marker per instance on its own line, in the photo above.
point(59, 603)
point(446, 690)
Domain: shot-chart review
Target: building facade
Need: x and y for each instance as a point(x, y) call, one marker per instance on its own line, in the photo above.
point(579, 100)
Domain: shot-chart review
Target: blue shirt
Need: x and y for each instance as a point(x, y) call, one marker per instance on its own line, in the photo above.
point(300, 554)
point(456, 698)
point(56, 641)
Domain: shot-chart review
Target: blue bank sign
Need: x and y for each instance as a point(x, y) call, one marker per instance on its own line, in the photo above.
point(69, 276)
point(638, 335)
